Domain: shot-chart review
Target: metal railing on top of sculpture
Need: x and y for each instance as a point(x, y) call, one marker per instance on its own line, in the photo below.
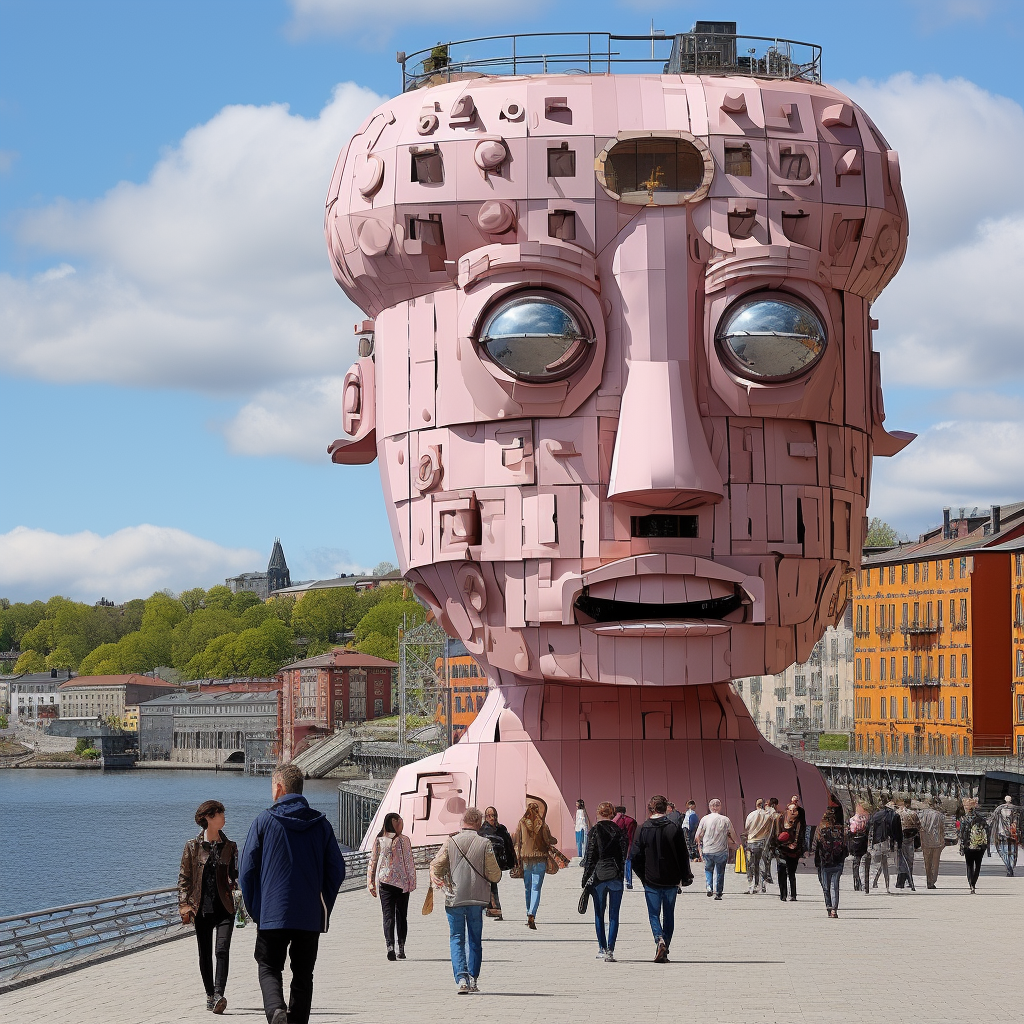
point(42, 943)
point(531, 53)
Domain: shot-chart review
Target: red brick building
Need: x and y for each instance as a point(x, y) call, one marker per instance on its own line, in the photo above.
point(321, 694)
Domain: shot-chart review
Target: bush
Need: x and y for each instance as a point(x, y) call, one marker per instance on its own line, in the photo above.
point(834, 741)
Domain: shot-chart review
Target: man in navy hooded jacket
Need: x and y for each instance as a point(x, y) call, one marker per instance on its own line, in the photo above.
point(290, 873)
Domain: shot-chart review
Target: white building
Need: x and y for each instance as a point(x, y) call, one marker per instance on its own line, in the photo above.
point(33, 695)
point(810, 698)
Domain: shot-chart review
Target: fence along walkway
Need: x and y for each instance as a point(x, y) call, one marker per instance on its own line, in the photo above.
point(41, 944)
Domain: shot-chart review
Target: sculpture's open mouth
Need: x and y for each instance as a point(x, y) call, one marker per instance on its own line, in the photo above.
point(600, 609)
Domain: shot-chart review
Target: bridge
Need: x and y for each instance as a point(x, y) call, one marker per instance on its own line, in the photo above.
point(744, 960)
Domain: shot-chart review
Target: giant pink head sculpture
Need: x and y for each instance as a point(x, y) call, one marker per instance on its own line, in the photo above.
point(622, 388)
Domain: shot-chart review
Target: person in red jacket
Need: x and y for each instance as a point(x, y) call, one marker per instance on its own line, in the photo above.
point(628, 825)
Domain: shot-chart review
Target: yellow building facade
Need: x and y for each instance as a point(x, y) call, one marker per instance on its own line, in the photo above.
point(1017, 597)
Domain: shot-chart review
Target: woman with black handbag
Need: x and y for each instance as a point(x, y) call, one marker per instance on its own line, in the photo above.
point(604, 867)
point(504, 854)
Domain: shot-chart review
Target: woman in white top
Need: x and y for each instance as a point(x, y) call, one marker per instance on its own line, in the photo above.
point(582, 829)
point(392, 875)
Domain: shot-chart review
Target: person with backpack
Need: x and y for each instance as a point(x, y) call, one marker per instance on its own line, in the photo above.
point(885, 837)
point(628, 825)
point(830, 853)
point(661, 859)
point(910, 824)
point(974, 840)
point(857, 843)
point(604, 866)
point(464, 868)
point(504, 854)
point(391, 874)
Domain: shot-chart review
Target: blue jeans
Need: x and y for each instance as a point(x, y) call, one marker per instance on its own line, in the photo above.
point(1008, 851)
point(714, 870)
point(465, 933)
point(581, 842)
point(629, 872)
point(533, 880)
point(609, 892)
point(830, 884)
point(661, 909)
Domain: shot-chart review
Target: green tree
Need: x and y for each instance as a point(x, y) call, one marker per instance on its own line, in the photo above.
point(377, 631)
point(30, 661)
point(192, 600)
point(244, 600)
point(218, 597)
point(881, 535)
point(321, 615)
point(16, 620)
point(383, 568)
point(191, 635)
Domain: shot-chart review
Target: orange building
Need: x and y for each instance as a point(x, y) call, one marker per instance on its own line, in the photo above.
point(932, 641)
point(469, 688)
point(1016, 551)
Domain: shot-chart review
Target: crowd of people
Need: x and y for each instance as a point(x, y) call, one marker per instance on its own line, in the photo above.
point(290, 869)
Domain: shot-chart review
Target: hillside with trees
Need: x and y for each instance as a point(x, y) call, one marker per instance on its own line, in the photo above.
point(205, 634)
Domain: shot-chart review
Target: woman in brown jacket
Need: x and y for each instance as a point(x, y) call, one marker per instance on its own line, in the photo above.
point(206, 883)
point(533, 844)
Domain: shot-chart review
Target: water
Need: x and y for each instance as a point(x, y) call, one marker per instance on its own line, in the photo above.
point(71, 836)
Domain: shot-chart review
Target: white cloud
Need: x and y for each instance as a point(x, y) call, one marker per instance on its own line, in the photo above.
point(950, 314)
point(212, 275)
point(133, 562)
point(298, 420)
point(952, 463)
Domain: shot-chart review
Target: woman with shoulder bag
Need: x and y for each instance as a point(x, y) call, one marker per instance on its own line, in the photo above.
point(207, 879)
point(392, 875)
point(974, 840)
point(789, 848)
point(857, 842)
point(830, 853)
point(504, 854)
point(604, 867)
point(534, 848)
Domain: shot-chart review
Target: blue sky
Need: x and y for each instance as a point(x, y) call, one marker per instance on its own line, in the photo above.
point(171, 338)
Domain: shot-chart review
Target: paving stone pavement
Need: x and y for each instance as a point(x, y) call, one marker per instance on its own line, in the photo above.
point(744, 960)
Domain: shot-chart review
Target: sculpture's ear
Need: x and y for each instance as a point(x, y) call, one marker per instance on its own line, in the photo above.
point(358, 405)
point(885, 442)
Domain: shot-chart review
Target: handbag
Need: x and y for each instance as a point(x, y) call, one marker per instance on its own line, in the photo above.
point(741, 861)
point(550, 864)
point(428, 902)
point(560, 858)
point(241, 914)
point(581, 907)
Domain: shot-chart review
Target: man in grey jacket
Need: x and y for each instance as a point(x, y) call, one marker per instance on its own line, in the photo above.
point(933, 839)
point(464, 868)
point(1006, 822)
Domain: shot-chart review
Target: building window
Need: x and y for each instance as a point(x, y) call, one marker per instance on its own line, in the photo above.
point(906, 669)
point(963, 709)
point(963, 568)
point(892, 575)
point(881, 670)
point(952, 709)
point(860, 619)
point(906, 708)
point(906, 610)
point(867, 669)
point(1020, 661)
point(881, 708)
point(780, 719)
point(860, 671)
point(906, 743)
point(938, 570)
point(954, 745)
point(942, 668)
point(917, 572)
point(963, 666)
point(892, 668)
point(1018, 560)
point(904, 574)
point(924, 571)
point(1020, 739)
point(952, 666)
point(951, 568)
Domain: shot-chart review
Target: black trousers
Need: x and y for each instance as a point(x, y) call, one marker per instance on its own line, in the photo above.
point(394, 904)
point(213, 935)
point(786, 868)
point(973, 858)
point(272, 945)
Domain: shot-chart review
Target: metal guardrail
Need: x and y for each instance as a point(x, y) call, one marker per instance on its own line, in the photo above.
point(934, 762)
point(531, 53)
point(43, 943)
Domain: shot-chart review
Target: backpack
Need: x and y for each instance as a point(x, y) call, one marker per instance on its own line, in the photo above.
point(503, 852)
point(607, 866)
point(832, 848)
point(977, 837)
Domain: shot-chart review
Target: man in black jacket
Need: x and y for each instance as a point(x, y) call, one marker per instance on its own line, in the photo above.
point(885, 837)
point(661, 859)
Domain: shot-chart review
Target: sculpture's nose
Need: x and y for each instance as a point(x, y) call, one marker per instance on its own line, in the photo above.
point(661, 457)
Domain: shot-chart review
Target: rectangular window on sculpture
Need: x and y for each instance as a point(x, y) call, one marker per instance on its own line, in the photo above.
point(737, 160)
point(562, 162)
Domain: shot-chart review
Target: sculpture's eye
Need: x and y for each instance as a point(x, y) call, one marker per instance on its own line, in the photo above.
point(770, 337)
point(537, 337)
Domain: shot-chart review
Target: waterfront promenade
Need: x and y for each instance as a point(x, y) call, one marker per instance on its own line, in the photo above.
point(745, 959)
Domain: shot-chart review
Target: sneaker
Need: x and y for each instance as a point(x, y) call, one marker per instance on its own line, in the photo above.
point(463, 988)
point(220, 1005)
point(763, 889)
point(210, 1002)
point(609, 957)
point(661, 953)
point(709, 894)
point(718, 895)
point(401, 952)
point(792, 899)
point(601, 954)
point(280, 1016)
point(750, 890)
point(474, 989)
point(629, 885)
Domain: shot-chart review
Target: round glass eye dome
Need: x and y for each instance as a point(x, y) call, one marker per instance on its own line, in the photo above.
point(536, 337)
point(770, 337)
